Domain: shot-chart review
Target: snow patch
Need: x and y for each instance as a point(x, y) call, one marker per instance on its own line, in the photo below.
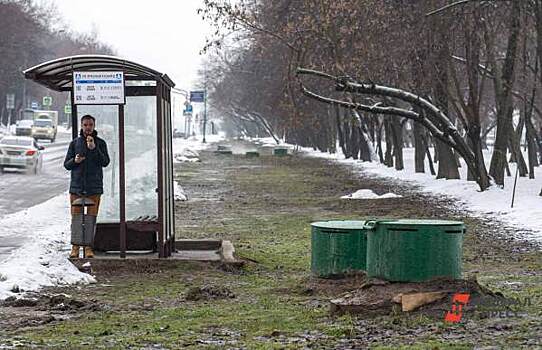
point(43, 260)
point(369, 194)
point(195, 143)
point(180, 195)
point(186, 155)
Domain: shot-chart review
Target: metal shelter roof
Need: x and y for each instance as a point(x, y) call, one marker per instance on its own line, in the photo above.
point(58, 74)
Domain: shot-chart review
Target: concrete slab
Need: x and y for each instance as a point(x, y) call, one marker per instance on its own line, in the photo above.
point(193, 250)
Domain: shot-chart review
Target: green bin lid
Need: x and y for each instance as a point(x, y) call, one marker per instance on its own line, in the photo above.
point(342, 225)
point(420, 222)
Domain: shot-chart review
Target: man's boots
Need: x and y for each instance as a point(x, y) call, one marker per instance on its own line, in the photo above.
point(75, 252)
point(89, 253)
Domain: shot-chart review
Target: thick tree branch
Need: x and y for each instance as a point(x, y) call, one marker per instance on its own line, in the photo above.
point(445, 130)
point(444, 8)
point(377, 109)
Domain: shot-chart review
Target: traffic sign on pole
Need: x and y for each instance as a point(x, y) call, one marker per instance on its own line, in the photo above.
point(197, 96)
point(67, 109)
point(47, 101)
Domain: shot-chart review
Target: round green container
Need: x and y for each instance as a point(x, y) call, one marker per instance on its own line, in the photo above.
point(280, 151)
point(414, 250)
point(252, 154)
point(338, 247)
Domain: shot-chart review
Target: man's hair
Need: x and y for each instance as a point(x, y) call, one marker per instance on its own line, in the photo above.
point(88, 116)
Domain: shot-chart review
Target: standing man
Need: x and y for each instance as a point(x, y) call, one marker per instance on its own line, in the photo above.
point(86, 157)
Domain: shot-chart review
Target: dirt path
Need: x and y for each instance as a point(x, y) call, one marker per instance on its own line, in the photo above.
point(265, 206)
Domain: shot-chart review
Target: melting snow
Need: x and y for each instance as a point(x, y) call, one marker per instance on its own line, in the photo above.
point(369, 194)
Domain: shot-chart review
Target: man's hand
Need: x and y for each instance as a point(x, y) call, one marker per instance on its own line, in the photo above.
point(90, 143)
point(79, 158)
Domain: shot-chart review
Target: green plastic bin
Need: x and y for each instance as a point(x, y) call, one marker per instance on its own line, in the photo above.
point(280, 151)
point(252, 154)
point(414, 250)
point(338, 247)
point(224, 149)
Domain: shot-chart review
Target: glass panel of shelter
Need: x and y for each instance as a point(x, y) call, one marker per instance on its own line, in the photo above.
point(140, 146)
point(107, 126)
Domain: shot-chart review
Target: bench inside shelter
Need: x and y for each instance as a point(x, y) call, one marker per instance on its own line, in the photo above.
point(141, 235)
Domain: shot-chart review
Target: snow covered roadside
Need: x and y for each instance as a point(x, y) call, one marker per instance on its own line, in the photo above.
point(42, 260)
point(494, 203)
point(195, 143)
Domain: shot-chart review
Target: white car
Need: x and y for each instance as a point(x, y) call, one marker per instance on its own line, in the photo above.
point(21, 152)
point(24, 128)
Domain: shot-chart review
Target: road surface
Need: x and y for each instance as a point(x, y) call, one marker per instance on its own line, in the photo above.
point(19, 190)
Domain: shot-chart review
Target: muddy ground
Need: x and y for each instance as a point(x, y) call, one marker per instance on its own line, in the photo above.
point(265, 206)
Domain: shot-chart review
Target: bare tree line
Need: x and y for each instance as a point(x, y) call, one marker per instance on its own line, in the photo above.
point(363, 73)
point(30, 34)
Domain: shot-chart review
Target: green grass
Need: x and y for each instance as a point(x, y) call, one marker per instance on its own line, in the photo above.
point(267, 214)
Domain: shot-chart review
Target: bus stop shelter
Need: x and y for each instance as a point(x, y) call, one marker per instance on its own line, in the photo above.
point(137, 207)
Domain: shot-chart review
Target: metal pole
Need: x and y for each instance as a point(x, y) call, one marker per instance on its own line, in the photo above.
point(74, 123)
point(515, 182)
point(122, 184)
point(9, 118)
point(205, 107)
point(24, 91)
point(160, 164)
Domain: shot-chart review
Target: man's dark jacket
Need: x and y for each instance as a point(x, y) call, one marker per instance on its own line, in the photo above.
point(96, 159)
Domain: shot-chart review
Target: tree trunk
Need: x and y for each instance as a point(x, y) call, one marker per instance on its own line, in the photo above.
point(428, 153)
point(447, 164)
point(531, 145)
point(332, 134)
point(515, 149)
point(388, 159)
point(379, 141)
point(503, 95)
point(476, 144)
point(397, 135)
point(419, 148)
point(364, 146)
point(340, 131)
point(354, 142)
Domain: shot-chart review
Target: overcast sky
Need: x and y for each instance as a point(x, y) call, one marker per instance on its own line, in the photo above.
point(165, 35)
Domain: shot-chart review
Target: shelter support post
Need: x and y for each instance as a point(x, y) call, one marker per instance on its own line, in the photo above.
point(160, 172)
point(122, 184)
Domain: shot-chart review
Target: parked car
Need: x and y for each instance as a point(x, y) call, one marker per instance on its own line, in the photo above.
point(24, 128)
point(44, 129)
point(21, 152)
point(178, 133)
